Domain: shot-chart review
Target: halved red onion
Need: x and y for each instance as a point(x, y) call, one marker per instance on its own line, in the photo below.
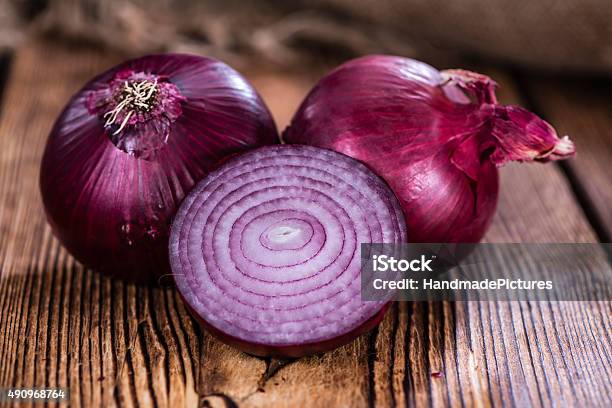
point(266, 249)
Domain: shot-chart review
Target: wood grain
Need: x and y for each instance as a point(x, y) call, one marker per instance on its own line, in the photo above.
point(116, 344)
point(583, 109)
point(108, 342)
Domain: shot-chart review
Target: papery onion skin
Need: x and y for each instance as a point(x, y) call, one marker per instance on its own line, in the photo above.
point(110, 192)
point(265, 251)
point(435, 137)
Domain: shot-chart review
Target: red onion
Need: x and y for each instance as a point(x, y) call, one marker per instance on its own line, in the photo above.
point(265, 250)
point(435, 137)
point(131, 143)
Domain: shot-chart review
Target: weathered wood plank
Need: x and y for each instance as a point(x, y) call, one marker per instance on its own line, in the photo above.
point(115, 344)
point(517, 353)
point(110, 343)
point(583, 109)
point(487, 353)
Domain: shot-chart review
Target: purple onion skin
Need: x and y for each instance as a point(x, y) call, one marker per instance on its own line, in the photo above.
point(265, 251)
point(109, 195)
point(436, 137)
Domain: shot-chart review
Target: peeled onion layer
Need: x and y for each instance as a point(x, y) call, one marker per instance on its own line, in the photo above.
point(437, 138)
point(113, 174)
point(265, 251)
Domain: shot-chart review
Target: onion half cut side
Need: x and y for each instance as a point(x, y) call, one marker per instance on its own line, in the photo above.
point(265, 251)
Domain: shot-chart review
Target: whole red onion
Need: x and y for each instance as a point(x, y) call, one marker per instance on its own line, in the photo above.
point(131, 144)
point(266, 252)
point(435, 137)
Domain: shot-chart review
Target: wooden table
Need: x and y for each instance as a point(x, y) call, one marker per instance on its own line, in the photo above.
point(113, 343)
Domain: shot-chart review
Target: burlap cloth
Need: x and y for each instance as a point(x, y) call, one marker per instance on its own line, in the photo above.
point(559, 35)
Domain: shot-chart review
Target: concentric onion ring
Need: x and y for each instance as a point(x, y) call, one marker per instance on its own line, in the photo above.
point(266, 249)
